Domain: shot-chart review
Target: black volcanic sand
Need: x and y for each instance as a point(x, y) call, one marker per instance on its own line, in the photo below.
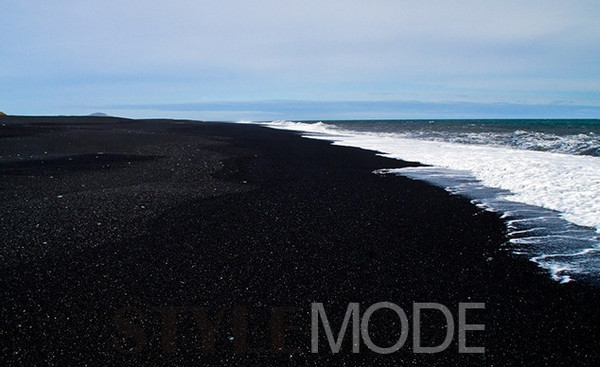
point(120, 237)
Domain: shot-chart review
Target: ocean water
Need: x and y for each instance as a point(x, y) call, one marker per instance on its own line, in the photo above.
point(542, 176)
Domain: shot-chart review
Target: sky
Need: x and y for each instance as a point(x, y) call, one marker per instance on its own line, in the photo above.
point(287, 59)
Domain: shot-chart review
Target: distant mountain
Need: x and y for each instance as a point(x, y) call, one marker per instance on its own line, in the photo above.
point(2, 113)
point(99, 114)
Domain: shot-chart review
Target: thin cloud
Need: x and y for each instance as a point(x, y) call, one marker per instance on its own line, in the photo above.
point(195, 50)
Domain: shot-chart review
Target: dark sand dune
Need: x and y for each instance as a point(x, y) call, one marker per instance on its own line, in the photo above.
point(120, 238)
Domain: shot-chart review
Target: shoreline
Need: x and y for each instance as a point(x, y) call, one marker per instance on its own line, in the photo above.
point(151, 214)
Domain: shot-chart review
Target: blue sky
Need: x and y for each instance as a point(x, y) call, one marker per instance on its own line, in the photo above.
point(231, 60)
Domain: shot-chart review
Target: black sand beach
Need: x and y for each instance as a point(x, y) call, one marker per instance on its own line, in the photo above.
point(120, 238)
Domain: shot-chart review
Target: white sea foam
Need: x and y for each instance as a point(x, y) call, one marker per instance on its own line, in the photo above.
point(520, 183)
point(569, 184)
